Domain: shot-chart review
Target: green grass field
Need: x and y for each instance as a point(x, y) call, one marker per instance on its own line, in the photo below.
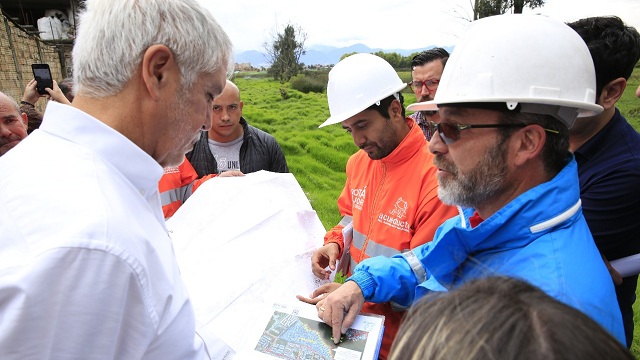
point(317, 157)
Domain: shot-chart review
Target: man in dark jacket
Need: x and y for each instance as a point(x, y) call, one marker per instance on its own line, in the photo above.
point(233, 144)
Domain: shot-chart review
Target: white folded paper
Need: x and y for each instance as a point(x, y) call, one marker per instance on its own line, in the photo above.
point(627, 266)
point(243, 244)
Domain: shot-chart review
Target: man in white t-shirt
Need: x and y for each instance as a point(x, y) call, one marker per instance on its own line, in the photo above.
point(233, 144)
point(87, 269)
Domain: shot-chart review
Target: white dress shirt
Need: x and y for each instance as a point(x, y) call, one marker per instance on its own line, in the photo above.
point(87, 270)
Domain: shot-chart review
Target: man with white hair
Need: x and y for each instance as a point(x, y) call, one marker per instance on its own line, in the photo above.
point(502, 152)
point(87, 268)
point(13, 123)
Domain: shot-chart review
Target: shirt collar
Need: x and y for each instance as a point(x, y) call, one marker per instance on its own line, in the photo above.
point(413, 142)
point(72, 124)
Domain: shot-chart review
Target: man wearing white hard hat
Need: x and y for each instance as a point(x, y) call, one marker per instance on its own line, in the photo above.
point(511, 89)
point(391, 193)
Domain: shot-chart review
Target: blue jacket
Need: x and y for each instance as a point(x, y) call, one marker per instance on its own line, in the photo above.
point(540, 237)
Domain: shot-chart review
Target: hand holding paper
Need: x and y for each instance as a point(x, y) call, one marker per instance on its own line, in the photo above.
point(324, 257)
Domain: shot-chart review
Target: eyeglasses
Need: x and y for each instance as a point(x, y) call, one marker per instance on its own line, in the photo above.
point(431, 84)
point(450, 133)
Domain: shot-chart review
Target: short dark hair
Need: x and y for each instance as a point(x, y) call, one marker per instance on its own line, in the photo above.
point(34, 118)
point(383, 108)
point(501, 318)
point(66, 86)
point(614, 47)
point(555, 153)
point(430, 55)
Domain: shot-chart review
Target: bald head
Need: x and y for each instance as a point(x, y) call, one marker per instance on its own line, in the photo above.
point(13, 123)
point(226, 114)
point(231, 88)
point(4, 98)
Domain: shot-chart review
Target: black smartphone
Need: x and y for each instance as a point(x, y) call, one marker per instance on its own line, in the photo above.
point(42, 74)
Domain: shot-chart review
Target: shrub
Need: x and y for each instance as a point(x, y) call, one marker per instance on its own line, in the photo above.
point(307, 84)
point(284, 94)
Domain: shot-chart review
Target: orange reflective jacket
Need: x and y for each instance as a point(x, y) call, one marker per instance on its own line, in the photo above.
point(394, 206)
point(176, 185)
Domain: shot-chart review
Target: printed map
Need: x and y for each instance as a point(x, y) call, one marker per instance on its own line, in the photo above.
point(288, 336)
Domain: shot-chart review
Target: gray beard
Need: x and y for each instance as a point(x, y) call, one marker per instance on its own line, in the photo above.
point(481, 184)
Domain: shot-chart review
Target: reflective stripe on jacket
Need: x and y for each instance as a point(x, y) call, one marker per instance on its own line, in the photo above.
point(176, 185)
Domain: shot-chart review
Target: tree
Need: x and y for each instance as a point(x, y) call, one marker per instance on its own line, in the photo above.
point(394, 59)
point(284, 52)
point(347, 55)
point(485, 8)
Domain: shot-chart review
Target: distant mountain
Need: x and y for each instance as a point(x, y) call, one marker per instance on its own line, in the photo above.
point(256, 58)
point(324, 55)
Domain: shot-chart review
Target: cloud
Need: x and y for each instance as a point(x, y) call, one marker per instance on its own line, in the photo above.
point(402, 24)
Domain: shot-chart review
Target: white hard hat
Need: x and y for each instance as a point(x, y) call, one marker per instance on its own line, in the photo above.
point(357, 82)
point(533, 61)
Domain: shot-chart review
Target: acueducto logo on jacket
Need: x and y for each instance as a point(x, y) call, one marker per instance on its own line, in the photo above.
point(395, 215)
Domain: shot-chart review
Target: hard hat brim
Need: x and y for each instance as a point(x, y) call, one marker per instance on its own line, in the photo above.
point(584, 109)
point(338, 118)
point(425, 105)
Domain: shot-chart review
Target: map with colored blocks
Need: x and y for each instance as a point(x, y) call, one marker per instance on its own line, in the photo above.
point(288, 336)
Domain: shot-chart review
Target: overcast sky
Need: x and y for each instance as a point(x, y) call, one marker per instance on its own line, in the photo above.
point(395, 24)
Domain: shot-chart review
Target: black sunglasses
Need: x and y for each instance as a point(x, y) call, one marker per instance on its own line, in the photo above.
point(450, 132)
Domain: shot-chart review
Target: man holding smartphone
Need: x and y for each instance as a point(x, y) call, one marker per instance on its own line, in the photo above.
point(55, 93)
point(87, 269)
point(31, 97)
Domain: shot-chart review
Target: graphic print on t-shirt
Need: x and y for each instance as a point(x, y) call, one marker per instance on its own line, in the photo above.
point(224, 164)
